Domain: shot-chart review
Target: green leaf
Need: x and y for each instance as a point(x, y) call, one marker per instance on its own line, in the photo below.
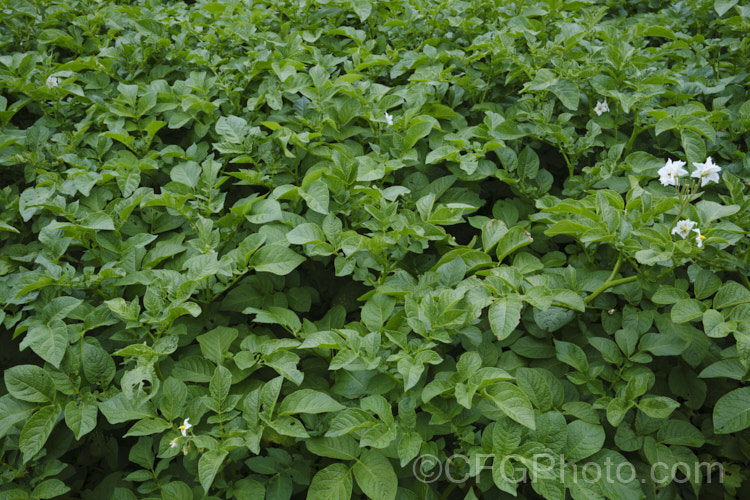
point(308, 401)
point(98, 365)
point(50, 488)
point(731, 294)
point(232, 128)
point(29, 383)
point(13, 411)
point(687, 310)
point(36, 431)
point(48, 341)
point(694, 146)
point(362, 8)
point(572, 355)
point(98, 221)
point(515, 238)
point(331, 483)
point(375, 476)
point(177, 490)
point(208, 466)
point(173, 399)
point(584, 439)
point(317, 197)
point(567, 92)
point(506, 436)
point(418, 127)
point(215, 343)
point(275, 259)
point(504, 315)
point(542, 388)
point(376, 311)
point(148, 426)
point(657, 406)
point(340, 448)
point(732, 411)
point(513, 402)
point(220, 384)
point(306, 233)
point(80, 416)
point(681, 433)
point(722, 6)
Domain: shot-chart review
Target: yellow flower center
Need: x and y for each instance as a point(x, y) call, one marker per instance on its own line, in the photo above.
point(182, 427)
point(703, 237)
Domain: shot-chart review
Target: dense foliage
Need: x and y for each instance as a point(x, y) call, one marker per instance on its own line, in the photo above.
point(393, 249)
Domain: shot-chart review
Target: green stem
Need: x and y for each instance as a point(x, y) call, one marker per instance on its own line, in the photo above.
point(610, 281)
point(609, 284)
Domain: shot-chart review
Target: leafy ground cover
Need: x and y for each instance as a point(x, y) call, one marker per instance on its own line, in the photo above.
point(353, 249)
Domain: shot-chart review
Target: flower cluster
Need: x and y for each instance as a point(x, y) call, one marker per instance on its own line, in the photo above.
point(670, 173)
point(684, 227)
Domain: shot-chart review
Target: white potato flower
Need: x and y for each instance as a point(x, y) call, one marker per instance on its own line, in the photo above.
point(699, 239)
point(706, 172)
point(388, 119)
point(173, 443)
point(683, 228)
point(52, 82)
point(671, 171)
point(185, 426)
point(601, 107)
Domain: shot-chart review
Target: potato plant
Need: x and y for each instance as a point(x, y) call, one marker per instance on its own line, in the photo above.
point(403, 249)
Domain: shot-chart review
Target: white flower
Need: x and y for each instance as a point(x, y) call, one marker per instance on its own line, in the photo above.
point(670, 173)
point(173, 443)
point(601, 107)
point(185, 426)
point(699, 239)
point(706, 172)
point(52, 82)
point(388, 119)
point(683, 228)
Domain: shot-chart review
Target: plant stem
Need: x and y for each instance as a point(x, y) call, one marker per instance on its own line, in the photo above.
point(610, 282)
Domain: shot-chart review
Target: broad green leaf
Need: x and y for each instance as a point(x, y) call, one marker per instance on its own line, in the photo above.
point(220, 384)
point(208, 466)
point(275, 259)
point(513, 402)
point(80, 416)
point(29, 383)
point(173, 398)
point(98, 365)
point(572, 355)
point(13, 411)
point(584, 439)
point(657, 406)
point(308, 401)
point(215, 343)
point(340, 448)
point(376, 311)
point(732, 411)
point(331, 483)
point(375, 476)
point(50, 488)
point(49, 341)
point(504, 315)
point(419, 127)
point(515, 238)
point(36, 431)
